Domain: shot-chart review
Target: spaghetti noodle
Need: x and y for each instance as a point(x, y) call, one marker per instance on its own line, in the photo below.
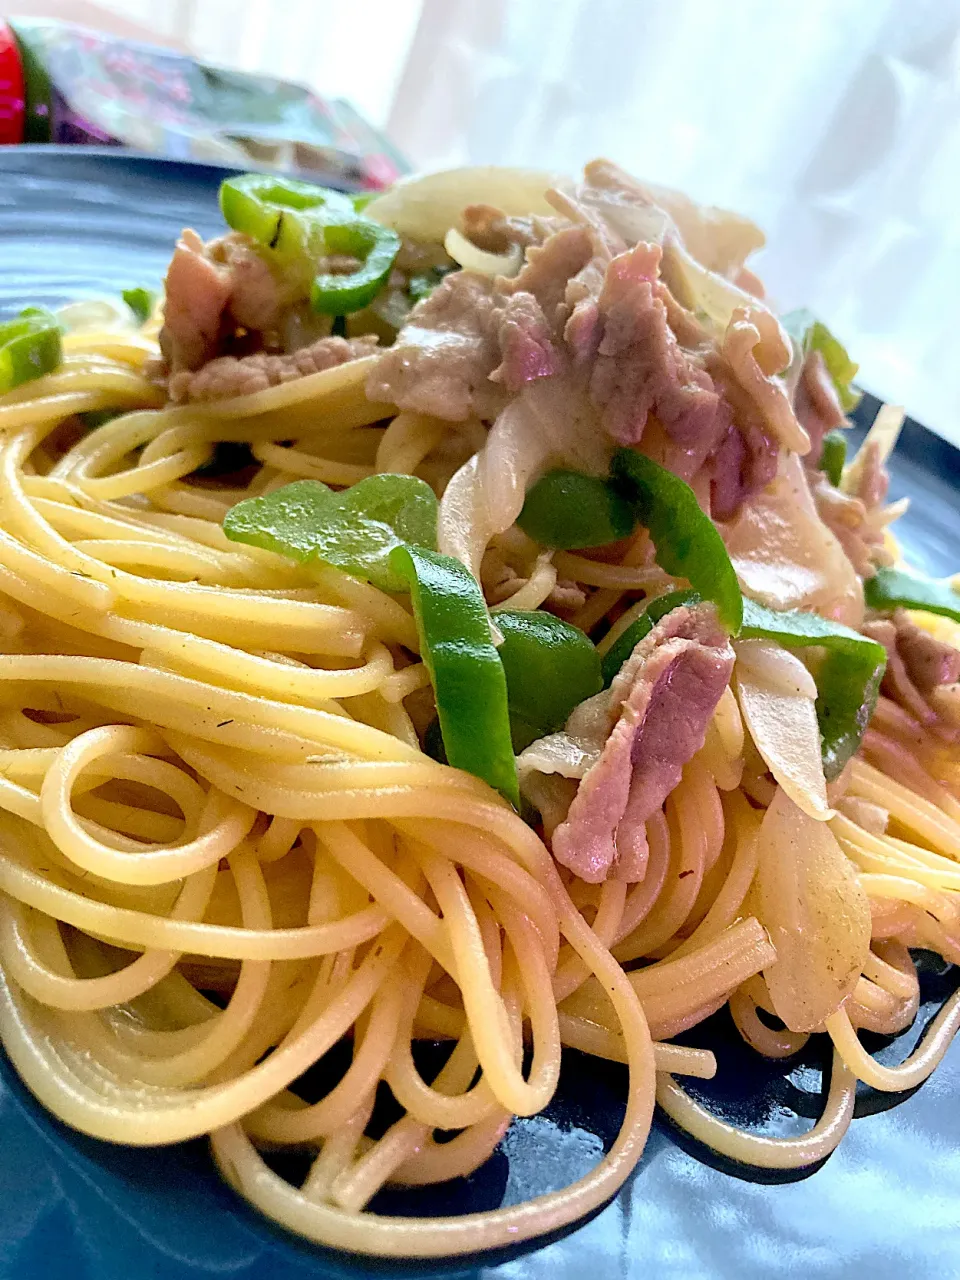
point(223, 848)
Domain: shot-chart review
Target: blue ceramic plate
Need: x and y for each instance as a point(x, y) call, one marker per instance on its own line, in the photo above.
point(74, 224)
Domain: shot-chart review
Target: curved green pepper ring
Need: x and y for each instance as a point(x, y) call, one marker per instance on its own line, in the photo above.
point(376, 246)
point(281, 213)
point(30, 346)
point(299, 220)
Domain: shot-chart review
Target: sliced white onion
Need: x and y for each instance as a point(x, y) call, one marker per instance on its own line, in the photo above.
point(551, 795)
point(718, 238)
point(776, 695)
point(425, 207)
point(883, 435)
point(808, 897)
point(559, 753)
point(473, 258)
point(729, 724)
point(550, 770)
point(711, 296)
point(776, 667)
point(786, 557)
point(96, 314)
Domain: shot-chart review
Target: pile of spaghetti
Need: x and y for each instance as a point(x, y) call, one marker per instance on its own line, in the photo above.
point(454, 618)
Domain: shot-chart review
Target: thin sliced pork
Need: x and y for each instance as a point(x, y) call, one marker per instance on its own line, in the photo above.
point(660, 705)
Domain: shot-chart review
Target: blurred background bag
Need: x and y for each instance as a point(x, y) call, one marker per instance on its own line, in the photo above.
point(85, 86)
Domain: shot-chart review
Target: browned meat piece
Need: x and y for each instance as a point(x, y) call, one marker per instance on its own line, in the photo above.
point(817, 406)
point(257, 294)
point(661, 704)
point(640, 367)
point(566, 597)
point(525, 343)
point(458, 344)
point(492, 230)
point(929, 662)
point(917, 665)
point(227, 376)
point(744, 461)
point(211, 289)
point(197, 293)
point(443, 356)
point(551, 267)
point(415, 257)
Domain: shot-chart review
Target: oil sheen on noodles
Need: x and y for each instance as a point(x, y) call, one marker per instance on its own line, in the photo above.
point(209, 783)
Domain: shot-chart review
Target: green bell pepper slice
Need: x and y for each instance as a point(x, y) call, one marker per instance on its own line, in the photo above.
point(282, 214)
point(140, 301)
point(354, 529)
point(30, 347)
point(376, 246)
point(848, 678)
point(551, 666)
point(687, 544)
point(298, 220)
point(833, 457)
point(811, 334)
point(570, 509)
point(900, 589)
point(465, 669)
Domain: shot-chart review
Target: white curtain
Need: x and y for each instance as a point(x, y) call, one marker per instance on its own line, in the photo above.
point(834, 123)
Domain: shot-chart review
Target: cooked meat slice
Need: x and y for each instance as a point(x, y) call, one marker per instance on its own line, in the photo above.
point(493, 231)
point(817, 406)
point(552, 266)
point(929, 662)
point(661, 703)
point(258, 295)
point(444, 355)
point(228, 376)
point(526, 346)
point(640, 367)
point(197, 292)
point(211, 290)
point(743, 463)
point(462, 347)
point(917, 666)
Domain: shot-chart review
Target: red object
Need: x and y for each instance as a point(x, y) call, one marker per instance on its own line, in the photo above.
point(12, 104)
